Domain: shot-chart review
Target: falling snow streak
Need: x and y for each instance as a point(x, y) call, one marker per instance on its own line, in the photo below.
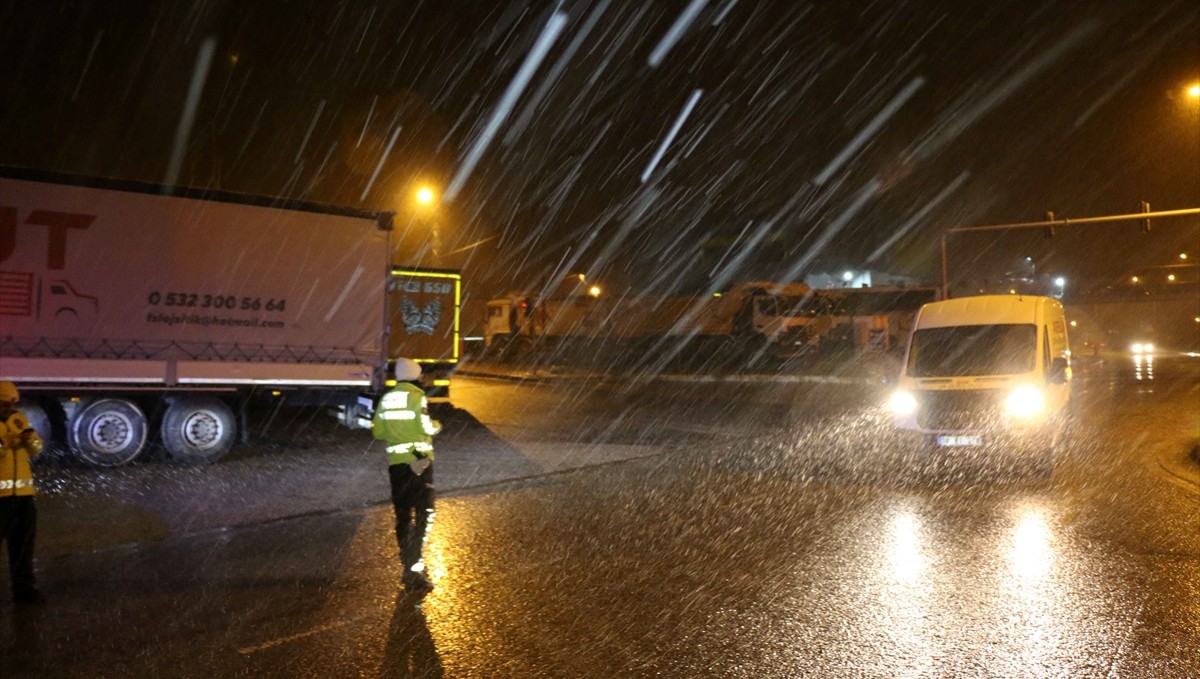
point(675, 32)
point(522, 120)
point(1147, 55)
point(834, 228)
point(724, 12)
point(553, 27)
point(717, 284)
point(961, 120)
point(867, 132)
point(916, 219)
point(199, 76)
point(382, 159)
point(367, 122)
point(308, 133)
point(87, 64)
point(662, 148)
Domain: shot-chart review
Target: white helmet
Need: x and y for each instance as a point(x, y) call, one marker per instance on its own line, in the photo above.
point(8, 393)
point(407, 370)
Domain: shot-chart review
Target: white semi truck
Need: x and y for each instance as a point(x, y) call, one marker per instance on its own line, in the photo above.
point(133, 312)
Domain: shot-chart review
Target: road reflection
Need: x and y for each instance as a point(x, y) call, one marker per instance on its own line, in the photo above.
point(1035, 598)
point(1143, 367)
point(908, 593)
point(1031, 553)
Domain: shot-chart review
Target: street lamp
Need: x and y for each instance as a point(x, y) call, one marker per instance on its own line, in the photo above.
point(1194, 91)
point(425, 196)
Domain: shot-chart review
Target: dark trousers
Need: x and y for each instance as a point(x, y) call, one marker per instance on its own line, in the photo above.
point(412, 498)
point(18, 525)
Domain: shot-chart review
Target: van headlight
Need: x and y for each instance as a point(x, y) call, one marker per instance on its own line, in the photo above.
point(903, 403)
point(1025, 401)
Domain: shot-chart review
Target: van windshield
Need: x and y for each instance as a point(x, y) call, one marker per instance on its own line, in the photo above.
point(967, 350)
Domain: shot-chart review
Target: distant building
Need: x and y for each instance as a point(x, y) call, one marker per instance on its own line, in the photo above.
point(858, 278)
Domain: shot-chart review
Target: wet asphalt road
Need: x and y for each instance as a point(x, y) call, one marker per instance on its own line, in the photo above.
point(745, 530)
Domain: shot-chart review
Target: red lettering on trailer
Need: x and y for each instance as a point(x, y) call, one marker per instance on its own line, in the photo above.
point(59, 223)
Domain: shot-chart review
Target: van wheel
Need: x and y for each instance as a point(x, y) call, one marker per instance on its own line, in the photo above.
point(109, 432)
point(198, 430)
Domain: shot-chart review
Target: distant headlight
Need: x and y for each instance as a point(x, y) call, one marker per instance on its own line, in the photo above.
point(1140, 348)
point(1025, 401)
point(1135, 348)
point(904, 403)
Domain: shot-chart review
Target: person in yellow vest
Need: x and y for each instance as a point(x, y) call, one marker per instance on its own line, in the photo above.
point(402, 421)
point(18, 517)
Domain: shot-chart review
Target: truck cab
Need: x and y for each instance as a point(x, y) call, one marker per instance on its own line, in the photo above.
point(986, 369)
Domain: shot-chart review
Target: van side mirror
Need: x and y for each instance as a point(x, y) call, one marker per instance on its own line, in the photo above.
point(1058, 371)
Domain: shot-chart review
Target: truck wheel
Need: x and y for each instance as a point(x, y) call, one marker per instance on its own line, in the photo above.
point(520, 350)
point(107, 433)
point(197, 430)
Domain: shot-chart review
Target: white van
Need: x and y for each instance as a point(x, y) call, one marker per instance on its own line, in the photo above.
point(980, 370)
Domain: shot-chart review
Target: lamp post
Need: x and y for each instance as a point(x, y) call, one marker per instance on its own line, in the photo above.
point(426, 206)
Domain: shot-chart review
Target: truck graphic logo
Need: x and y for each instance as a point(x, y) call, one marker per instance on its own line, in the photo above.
point(23, 294)
point(417, 320)
point(44, 294)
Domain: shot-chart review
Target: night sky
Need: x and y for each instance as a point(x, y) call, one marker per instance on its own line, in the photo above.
point(654, 143)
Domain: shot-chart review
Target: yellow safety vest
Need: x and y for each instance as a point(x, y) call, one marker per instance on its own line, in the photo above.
point(18, 443)
point(402, 420)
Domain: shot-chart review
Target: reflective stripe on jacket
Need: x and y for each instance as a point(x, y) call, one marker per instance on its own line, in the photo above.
point(18, 443)
point(402, 420)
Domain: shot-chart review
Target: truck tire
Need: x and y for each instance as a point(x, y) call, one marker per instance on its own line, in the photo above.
point(198, 430)
point(107, 433)
point(520, 350)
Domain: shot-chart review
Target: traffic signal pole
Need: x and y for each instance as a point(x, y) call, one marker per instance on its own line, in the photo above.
point(1145, 216)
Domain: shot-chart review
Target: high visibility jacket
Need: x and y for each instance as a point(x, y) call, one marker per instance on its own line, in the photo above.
point(402, 420)
point(18, 443)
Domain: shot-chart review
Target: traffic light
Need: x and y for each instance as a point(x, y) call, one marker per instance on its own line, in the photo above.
point(1145, 222)
point(1048, 231)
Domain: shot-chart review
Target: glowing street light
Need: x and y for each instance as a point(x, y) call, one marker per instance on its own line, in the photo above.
point(1194, 91)
point(425, 196)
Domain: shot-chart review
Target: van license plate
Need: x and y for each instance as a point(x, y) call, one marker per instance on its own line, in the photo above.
point(959, 440)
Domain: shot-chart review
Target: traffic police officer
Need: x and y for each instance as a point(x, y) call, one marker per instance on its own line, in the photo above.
point(18, 517)
point(402, 421)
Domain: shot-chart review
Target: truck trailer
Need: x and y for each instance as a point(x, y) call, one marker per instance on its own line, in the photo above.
point(133, 312)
